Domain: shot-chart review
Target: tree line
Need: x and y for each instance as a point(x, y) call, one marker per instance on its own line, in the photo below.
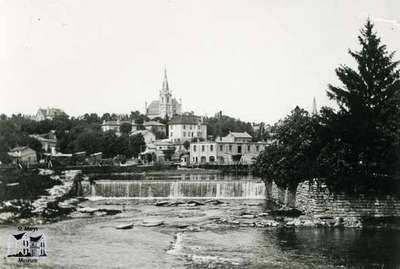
point(73, 135)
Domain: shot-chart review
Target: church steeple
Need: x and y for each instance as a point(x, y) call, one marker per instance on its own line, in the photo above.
point(314, 107)
point(165, 87)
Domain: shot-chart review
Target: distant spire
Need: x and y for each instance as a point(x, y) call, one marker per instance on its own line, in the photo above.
point(314, 107)
point(165, 87)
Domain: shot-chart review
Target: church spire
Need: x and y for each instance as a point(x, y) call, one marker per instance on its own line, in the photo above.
point(165, 87)
point(314, 107)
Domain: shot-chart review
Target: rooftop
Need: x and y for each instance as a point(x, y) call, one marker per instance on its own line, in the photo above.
point(115, 122)
point(18, 236)
point(240, 134)
point(153, 123)
point(19, 148)
point(186, 119)
point(36, 238)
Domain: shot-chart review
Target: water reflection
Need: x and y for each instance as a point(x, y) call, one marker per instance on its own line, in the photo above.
point(351, 248)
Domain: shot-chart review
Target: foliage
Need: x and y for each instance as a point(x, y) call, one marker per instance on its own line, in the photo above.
point(355, 149)
point(221, 125)
point(30, 184)
point(186, 145)
point(363, 138)
point(12, 136)
point(73, 135)
point(125, 128)
point(168, 153)
point(290, 158)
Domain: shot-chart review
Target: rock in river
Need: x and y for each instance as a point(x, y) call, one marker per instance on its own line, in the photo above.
point(124, 226)
point(194, 203)
point(162, 203)
point(152, 223)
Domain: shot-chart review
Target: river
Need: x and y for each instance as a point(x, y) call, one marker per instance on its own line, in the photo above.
point(83, 241)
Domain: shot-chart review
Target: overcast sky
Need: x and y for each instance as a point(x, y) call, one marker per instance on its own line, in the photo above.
point(254, 60)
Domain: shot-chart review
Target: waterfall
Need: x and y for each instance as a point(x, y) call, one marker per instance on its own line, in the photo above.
point(178, 189)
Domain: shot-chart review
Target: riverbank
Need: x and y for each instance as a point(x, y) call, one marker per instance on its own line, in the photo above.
point(44, 197)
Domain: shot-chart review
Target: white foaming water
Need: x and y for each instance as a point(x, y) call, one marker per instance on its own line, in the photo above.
point(178, 246)
point(167, 189)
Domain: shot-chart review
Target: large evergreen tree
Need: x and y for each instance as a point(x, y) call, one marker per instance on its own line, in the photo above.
point(365, 131)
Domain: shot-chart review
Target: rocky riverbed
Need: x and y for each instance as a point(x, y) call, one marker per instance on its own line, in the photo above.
point(202, 234)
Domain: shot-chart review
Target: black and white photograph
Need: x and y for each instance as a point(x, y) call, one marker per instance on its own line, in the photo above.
point(190, 134)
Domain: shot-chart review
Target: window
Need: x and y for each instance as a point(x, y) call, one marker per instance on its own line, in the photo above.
point(171, 134)
point(230, 147)
point(184, 134)
point(211, 147)
point(239, 148)
point(190, 127)
point(184, 127)
point(202, 148)
point(221, 147)
point(248, 148)
point(257, 147)
point(194, 147)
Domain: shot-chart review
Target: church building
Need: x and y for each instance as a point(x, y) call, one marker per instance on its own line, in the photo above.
point(166, 105)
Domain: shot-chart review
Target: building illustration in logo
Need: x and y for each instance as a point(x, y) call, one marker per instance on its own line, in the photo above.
point(26, 245)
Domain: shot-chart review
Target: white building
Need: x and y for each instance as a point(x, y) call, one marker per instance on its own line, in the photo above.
point(186, 128)
point(166, 106)
point(234, 148)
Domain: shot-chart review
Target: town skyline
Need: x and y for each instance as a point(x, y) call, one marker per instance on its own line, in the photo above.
point(239, 60)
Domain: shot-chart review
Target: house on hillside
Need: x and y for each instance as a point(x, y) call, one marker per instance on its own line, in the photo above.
point(48, 113)
point(115, 126)
point(186, 128)
point(48, 141)
point(23, 155)
point(155, 127)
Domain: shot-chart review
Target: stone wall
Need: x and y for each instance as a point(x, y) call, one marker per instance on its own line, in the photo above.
point(314, 198)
